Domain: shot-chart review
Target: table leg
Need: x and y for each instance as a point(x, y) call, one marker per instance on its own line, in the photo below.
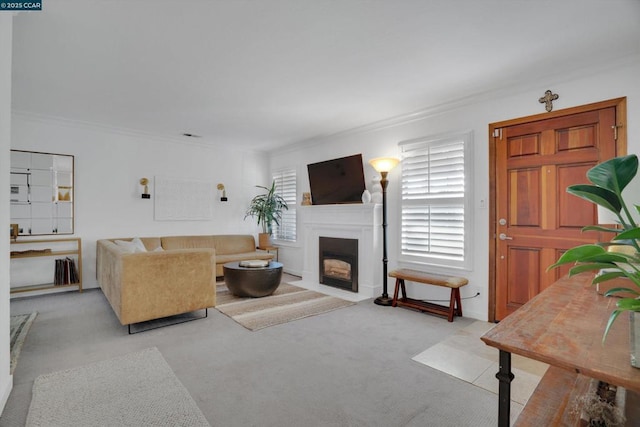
point(504, 377)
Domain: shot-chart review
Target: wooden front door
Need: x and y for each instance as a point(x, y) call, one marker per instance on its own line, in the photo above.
point(534, 218)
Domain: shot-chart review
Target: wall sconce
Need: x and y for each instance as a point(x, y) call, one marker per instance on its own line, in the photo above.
point(145, 193)
point(223, 198)
point(15, 230)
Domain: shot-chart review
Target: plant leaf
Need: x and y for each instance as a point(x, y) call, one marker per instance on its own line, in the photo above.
point(606, 257)
point(633, 233)
point(614, 291)
point(614, 174)
point(577, 254)
point(629, 304)
point(607, 276)
point(581, 268)
point(600, 228)
point(612, 318)
point(598, 195)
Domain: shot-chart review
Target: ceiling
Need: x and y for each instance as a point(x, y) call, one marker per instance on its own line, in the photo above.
point(261, 74)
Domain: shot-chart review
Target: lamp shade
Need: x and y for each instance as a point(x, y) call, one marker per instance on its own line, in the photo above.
point(384, 164)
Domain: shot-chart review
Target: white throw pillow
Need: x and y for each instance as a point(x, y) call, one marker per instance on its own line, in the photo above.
point(158, 249)
point(135, 245)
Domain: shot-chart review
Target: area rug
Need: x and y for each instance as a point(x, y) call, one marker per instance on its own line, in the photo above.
point(19, 327)
point(287, 303)
point(137, 389)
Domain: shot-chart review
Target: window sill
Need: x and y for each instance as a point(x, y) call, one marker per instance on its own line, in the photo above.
point(435, 268)
point(286, 243)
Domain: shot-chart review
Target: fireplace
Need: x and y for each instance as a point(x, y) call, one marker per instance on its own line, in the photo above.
point(361, 222)
point(338, 263)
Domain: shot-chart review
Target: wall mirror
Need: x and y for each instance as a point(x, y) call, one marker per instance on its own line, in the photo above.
point(42, 193)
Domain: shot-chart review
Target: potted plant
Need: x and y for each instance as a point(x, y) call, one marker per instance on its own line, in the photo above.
point(620, 257)
point(267, 209)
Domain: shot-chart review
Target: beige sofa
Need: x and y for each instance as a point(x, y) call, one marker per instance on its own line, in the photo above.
point(228, 247)
point(154, 277)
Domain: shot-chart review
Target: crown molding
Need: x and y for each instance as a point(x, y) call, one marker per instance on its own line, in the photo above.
point(511, 89)
point(94, 126)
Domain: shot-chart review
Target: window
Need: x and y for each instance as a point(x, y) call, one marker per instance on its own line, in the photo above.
point(436, 201)
point(286, 187)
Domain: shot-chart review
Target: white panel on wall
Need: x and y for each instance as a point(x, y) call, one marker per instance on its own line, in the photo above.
point(183, 199)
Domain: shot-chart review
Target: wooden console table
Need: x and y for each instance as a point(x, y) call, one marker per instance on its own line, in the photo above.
point(563, 326)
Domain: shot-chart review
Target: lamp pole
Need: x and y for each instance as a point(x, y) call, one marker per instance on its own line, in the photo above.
point(384, 298)
point(383, 166)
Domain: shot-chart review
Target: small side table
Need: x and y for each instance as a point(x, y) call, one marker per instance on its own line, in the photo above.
point(269, 249)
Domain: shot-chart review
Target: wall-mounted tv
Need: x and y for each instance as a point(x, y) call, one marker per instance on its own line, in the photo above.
point(337, 181)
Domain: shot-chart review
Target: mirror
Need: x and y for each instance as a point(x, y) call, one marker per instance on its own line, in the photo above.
point(41, 193)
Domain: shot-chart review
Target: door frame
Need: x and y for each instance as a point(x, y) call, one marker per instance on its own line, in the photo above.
point(620, 105)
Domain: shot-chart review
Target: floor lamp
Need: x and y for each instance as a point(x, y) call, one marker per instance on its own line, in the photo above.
point(383, 165)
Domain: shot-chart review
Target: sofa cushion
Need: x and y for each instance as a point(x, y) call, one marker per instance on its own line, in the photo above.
point(234, 244)
point(188, 242)
point(151, 243)
point(131, 246)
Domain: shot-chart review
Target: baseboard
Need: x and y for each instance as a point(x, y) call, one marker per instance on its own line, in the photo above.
point(293, 272)
point(4, 396)
point(473, 314)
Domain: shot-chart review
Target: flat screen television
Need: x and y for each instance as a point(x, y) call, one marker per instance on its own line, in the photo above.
point(337, 181)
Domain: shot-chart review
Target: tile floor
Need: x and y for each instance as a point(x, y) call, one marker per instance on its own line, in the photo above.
point(464, 356)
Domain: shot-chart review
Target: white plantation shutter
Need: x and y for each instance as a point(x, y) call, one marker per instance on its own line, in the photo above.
point(286, 187)
point(435, 201)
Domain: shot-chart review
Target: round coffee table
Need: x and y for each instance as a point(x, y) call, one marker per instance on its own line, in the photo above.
point(252, 281)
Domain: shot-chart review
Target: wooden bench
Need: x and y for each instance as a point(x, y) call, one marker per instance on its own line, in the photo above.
point(455, 283)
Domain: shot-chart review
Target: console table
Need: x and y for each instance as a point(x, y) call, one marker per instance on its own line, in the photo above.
point(563, 326)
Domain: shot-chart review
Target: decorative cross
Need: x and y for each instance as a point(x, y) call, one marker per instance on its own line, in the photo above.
point(548, 99)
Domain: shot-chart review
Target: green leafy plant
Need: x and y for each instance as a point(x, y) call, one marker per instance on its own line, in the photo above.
point(620, 257)
point(267, 208)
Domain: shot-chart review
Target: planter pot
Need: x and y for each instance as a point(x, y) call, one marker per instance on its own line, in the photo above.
point(264, 240)
point(634, 338)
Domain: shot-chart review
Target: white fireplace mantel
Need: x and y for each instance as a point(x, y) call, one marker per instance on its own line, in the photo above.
point(353, 221)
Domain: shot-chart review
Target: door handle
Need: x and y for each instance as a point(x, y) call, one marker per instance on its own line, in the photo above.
point(503, 236)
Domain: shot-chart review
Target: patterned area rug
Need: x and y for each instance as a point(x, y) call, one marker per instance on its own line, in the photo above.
point(287, 303)
point(137, 389)
point(19, 327)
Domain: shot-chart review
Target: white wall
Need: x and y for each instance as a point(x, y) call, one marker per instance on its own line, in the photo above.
point(109, 164)
point(6, 22)
point(475, 114)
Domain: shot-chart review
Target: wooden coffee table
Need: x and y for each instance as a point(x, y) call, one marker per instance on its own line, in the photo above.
point(252, 282)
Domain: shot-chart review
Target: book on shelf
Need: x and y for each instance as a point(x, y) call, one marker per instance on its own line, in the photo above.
point(66, 272)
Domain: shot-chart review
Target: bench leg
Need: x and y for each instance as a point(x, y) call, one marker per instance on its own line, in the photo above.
point(458, 302)
point(452, 305)
point(394, 303)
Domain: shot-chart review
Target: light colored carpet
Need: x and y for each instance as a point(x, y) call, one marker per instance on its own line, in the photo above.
point(137, 389)
point(287, 303)
point(19, 327)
